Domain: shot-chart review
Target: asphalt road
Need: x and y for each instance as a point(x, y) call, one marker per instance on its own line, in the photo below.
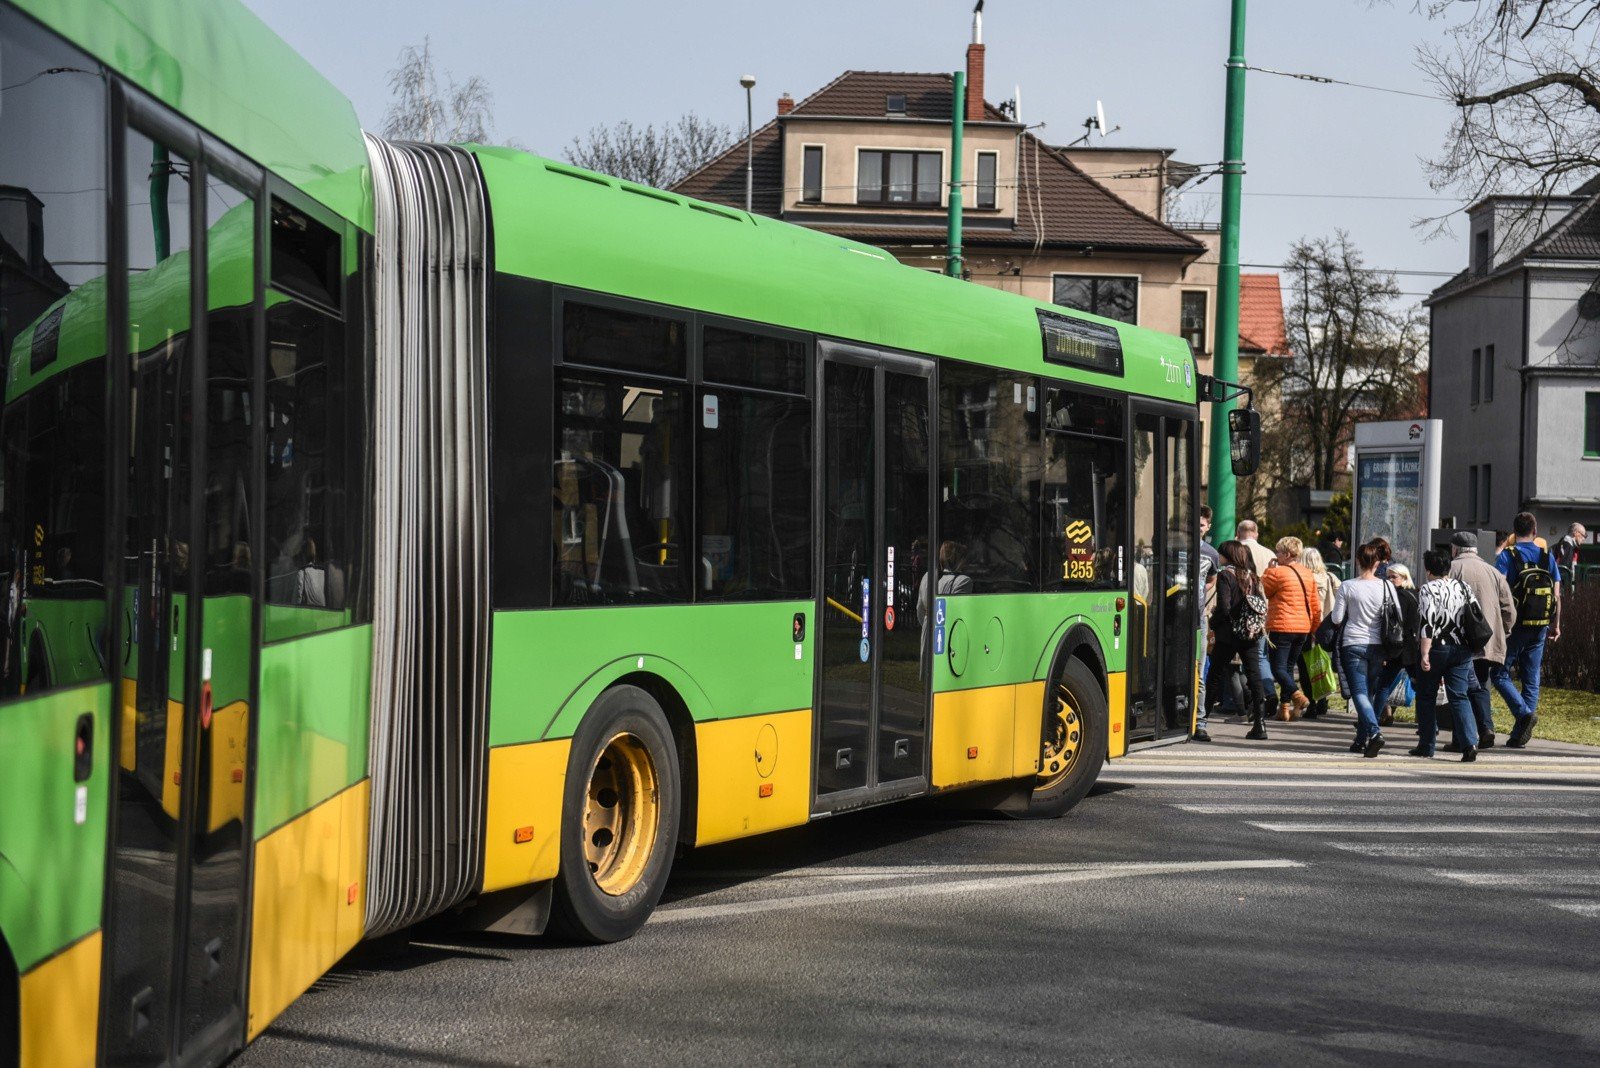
point(1238, 902)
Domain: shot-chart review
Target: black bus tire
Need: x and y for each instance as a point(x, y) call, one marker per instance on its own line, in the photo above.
point(619, 818)
point(1076, 722)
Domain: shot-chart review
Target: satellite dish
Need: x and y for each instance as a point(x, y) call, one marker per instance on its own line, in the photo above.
point(1589, 306)
point(1100, 118)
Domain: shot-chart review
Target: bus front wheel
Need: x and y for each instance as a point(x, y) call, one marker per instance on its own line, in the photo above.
point(619, 822)
point(1073, 747)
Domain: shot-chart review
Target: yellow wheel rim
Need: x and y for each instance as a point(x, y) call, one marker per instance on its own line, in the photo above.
point(1062, 744)
point(622, 820)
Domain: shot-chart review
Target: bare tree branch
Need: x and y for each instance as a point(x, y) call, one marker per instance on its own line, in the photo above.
point(647, 155)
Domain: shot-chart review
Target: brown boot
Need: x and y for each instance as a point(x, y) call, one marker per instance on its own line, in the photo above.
point(1286, 712)
point(1300, 702)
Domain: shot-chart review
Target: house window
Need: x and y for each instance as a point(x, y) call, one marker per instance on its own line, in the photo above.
point(988, 165)
point(1472, 493)
point(1192, 319)
point(811, 175)
point(1488, 374)
point(1480, 251)
point(1485, 498)
point(897, 177)
point(895, 104)
point(1113, 296)
point(1591, 425)
point(1477, 374)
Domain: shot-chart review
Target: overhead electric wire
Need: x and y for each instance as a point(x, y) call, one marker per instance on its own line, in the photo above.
point(1322, 79)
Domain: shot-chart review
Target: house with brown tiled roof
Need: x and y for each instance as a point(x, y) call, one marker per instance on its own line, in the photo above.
point(867, 157)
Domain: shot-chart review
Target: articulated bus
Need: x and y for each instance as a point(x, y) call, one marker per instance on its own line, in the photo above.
point(402, 531)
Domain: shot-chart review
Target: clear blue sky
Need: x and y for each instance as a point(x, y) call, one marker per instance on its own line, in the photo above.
point(558, 69)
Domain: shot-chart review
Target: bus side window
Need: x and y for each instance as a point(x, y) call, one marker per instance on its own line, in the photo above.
point(991, 468)
point(1084, 492)
point(753, 505)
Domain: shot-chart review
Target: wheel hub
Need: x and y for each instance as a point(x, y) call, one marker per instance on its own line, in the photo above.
point(1063, 742)
point(622, 818)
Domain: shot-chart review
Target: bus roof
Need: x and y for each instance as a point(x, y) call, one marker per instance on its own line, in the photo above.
point(573, 227)
point(223, 69)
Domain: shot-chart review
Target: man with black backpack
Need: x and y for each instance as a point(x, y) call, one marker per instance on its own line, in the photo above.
point(1535, 582)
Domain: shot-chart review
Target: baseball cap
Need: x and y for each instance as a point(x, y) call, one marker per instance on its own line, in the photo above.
point(1464, 538)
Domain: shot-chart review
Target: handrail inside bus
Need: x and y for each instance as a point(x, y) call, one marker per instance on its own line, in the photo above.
point(842, 608)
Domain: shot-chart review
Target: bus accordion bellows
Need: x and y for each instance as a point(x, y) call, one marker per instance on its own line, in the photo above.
point(399, 532)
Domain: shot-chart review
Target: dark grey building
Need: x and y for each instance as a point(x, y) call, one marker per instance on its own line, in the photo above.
point(1514, 369)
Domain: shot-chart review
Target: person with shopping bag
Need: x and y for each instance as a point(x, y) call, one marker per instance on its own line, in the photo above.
point(1452, 630)
point(1293, 613)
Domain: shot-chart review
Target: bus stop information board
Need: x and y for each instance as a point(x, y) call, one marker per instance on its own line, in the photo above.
point(1397, 485)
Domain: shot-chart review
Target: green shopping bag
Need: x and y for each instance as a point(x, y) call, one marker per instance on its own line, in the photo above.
point(1319, 669)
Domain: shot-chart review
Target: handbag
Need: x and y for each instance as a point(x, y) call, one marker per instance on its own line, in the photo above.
point(1392, 631)
point(1474, 627)
point(1319, 672)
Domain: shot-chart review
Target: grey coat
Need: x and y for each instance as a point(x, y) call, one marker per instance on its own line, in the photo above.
point(1490, 588)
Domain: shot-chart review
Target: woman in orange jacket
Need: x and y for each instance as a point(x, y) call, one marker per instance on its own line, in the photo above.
point(1293, 613)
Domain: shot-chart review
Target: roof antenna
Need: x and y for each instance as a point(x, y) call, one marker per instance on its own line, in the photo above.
point(1094, 122)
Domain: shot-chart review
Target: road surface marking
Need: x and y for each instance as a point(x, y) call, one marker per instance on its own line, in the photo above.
point(1476, 850)
point(1582, 908)
point(1393, 783)
point(1419, 828)
point(965, 886)
point(1440, 808)
point(1544, 877)
point(888, 871)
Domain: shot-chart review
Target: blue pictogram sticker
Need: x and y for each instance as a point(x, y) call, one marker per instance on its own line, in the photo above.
point(938, 626)
point(866, 650)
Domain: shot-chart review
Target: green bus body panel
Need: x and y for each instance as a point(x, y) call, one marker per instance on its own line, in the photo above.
point(225, 630)
point(312, 726)
point(69, 628)
point(594, 234)
point(218, 65)
point(724, 660)
point(1030, 627)
point(52, 868)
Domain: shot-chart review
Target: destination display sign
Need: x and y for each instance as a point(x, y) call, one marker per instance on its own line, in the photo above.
point(1077, 343)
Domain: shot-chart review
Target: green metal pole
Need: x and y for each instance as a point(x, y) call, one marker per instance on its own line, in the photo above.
point(958, 115)
point(1225, 366)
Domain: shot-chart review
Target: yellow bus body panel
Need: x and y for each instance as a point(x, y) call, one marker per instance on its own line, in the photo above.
point(975, 736)
point(1029, 731)
point(1117, 701)
point(61, 1007)
point(310, 901)
point(754, 775)
point(526, 783)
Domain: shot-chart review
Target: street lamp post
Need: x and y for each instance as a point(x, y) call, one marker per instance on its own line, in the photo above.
point(749, 83)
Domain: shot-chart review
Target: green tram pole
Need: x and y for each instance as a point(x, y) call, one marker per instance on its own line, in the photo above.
point(958, 114)
point(1226, 364)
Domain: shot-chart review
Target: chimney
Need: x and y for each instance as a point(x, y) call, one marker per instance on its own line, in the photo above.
point(975, 67)
point(785, 104)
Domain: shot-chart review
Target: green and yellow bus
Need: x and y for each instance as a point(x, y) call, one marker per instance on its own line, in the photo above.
point(400, 531)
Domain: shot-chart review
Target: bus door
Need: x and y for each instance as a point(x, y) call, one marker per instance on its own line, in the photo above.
point(875, 458)
point(1162, 608)
point(175, 945)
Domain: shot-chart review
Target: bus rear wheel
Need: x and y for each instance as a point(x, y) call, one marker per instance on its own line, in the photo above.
point(1074, 744)
point(619, 822)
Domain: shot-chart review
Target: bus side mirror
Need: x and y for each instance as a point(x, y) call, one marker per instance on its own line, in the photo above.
point(1244, 440)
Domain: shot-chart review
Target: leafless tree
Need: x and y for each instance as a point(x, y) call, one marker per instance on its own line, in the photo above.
point(421, 111)
point(1524, 77)
point(648, 155)
point(1357, 356)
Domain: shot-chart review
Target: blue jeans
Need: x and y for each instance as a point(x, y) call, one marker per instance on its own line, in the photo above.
point(1284, 654)
point(1361, 666)
point(1201, 715)
point(1263, 664)
point(1478, 696)
point(1453, 664)
point(1525, 652)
